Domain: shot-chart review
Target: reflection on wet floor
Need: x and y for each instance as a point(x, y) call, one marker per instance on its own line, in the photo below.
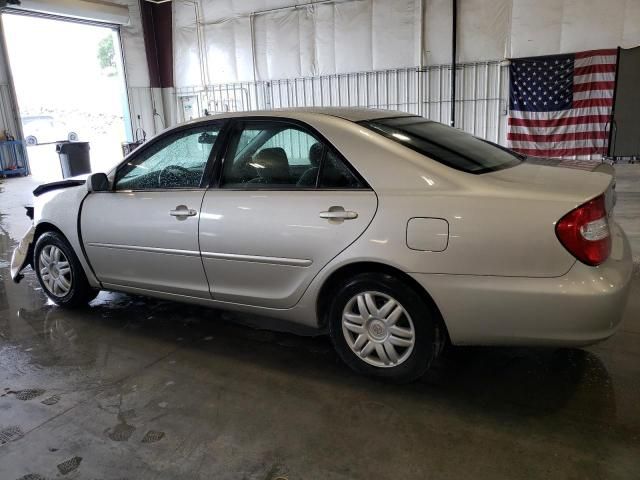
point(139, 388)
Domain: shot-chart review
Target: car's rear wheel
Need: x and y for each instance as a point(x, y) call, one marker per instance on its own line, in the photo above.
point(60, 273)
point(380, 326)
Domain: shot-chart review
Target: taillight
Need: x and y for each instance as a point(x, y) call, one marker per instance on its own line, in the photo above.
point(584, 231)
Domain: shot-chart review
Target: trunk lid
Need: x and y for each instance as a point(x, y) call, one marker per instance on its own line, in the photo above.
point(573, 184)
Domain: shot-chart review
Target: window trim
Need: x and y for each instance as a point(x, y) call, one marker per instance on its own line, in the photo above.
point(209, 166)
point(235, 127)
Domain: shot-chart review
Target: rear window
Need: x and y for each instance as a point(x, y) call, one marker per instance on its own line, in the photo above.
point(444, 144)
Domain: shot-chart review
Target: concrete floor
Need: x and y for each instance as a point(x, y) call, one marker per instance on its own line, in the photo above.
point(132, 388)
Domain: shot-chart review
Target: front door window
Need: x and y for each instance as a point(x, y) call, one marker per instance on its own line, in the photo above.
point(177, 161)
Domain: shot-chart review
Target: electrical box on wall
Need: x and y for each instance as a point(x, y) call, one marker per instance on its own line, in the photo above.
point(190, 108)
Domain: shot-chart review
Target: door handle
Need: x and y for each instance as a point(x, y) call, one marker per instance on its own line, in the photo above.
point(183, 211)
point(338, 214)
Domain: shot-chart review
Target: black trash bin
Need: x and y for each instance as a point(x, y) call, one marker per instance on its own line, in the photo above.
point(74, 158)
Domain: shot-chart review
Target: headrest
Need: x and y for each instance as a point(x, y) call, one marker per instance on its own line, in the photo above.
point(272, 164)
point(315, 154)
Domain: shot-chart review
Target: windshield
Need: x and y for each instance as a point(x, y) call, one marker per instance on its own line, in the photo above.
point(444, 144)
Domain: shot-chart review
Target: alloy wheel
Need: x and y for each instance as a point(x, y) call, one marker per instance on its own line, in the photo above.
point(378, 329)
point(55, 271)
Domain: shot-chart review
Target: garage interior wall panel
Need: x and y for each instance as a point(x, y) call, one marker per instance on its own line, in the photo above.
point(228, 51)
point(543, 27)
point(187, 66)
point(142, 99)
point(395, 32)
point(135, 55)
point(483, 29)
point(480, 108)
point(368, 53)
point(340, 37)
point(284, 44)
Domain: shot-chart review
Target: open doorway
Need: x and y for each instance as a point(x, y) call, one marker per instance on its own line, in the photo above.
point(70, 85)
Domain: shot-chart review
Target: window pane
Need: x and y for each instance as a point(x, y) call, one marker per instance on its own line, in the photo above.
point(446, 145)
point(335, 174)
point(177, 161)
point(274, 155)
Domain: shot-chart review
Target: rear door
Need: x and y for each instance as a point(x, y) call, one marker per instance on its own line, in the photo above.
point(144, 233)
point(286, 204)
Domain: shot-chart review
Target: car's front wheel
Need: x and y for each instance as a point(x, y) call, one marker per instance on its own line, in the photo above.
point(380, 326)
point(60, 273)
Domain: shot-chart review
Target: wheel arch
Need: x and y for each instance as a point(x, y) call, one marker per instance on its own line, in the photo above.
point(44, 227)
point(41, 228)
point(341, 274)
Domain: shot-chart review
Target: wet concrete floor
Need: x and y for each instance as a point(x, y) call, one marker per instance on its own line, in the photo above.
point(133, 388)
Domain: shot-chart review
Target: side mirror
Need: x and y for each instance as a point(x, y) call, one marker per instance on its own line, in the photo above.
point(97, 182)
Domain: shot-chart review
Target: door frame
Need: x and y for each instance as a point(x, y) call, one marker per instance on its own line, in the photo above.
point(4, 58)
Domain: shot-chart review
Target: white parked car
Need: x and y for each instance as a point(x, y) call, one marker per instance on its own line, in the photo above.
point(393, 233)
point(39, 129)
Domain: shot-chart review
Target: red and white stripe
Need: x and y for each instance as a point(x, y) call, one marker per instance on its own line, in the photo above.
point(581, 131)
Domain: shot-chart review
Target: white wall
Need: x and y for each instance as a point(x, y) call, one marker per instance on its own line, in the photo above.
point(339, 37)
point(364, 35)
point(541, 27)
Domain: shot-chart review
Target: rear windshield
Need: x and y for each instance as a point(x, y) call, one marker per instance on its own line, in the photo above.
point(447, 145)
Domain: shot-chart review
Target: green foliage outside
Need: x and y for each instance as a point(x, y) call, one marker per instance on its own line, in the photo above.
point(107, 55)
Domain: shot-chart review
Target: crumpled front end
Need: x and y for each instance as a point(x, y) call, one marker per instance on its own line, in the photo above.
point(22, 255)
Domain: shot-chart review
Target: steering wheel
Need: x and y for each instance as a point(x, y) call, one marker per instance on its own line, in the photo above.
point(168, 168)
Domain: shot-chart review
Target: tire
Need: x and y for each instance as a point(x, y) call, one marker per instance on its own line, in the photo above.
point(31, 140)
point(72, 137)
point(414, 315)
point(64, 281)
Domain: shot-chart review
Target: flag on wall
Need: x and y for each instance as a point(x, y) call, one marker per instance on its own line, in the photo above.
point(560, 105)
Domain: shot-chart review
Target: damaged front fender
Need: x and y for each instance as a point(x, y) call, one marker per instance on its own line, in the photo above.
point(22, 255)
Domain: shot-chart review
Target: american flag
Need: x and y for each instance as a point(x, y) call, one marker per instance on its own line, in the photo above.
point(560, 105)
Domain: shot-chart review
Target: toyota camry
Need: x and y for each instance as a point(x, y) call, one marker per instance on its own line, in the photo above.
point(392, 233)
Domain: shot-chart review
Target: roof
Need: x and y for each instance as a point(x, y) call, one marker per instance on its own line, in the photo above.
point(354, 114)
point(348, 113)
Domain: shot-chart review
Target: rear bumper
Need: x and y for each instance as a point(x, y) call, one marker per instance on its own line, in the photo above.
point(582, 307)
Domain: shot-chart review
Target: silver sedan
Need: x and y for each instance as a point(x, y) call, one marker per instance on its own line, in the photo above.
point(392, 233)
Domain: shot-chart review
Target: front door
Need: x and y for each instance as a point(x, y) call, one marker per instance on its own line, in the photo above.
point(144, 233)
point(286, 205)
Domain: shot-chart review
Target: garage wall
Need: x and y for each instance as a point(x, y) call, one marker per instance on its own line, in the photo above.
point(542, 27)
point(241, 55)
point(325, 38)
point(222, 41)
point(143, 100)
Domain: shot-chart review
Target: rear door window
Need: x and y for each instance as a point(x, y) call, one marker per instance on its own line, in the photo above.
point(282, 155)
